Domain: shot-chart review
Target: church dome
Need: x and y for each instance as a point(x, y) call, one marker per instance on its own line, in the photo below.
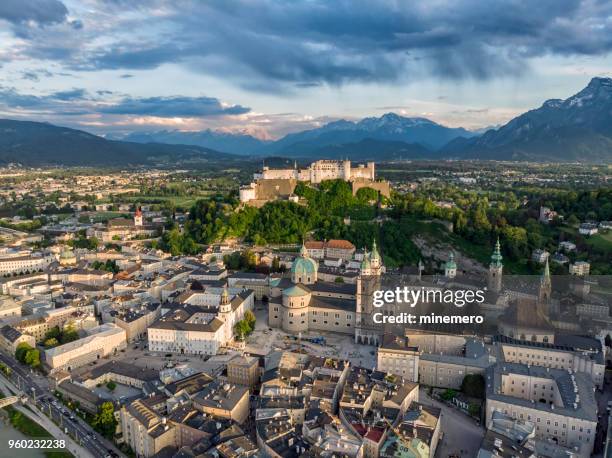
point(304, 268)
point(295, 291)
point(67, 256)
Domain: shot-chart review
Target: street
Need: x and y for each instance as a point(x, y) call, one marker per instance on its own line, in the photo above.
point(43, 400)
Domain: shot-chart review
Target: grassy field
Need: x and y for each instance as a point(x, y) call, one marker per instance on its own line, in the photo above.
point(601, 242)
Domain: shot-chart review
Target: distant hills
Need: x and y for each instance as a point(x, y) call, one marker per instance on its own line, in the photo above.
point(37, 144)
point(333, 139)
point(575, 129)
point(222, 141)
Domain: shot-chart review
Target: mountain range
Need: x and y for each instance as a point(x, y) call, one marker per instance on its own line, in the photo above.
point(39, 144)
point(578, 128)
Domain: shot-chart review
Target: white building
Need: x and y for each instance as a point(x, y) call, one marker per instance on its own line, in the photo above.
point(580, 268)
point(588, 229)
point(24, 264)
point(101, 341)
point(560, 404)
point(199, 330)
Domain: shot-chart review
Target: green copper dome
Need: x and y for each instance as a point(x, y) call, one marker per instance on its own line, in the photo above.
point(304, 265)
point(295, 291)
point(451, 264)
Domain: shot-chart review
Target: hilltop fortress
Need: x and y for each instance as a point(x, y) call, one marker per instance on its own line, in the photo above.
point(273, 184)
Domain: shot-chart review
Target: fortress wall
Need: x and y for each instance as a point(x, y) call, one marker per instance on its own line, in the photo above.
point(380, 186)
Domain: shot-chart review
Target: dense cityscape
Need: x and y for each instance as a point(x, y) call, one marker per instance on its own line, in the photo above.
point(174, 313)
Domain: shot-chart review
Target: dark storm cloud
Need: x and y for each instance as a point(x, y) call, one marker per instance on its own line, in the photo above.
point(42, 12)
point(272, 45)
point(173, 106)
point(77, 101)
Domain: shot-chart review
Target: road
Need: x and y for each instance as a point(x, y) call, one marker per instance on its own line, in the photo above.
point(462, 436)
point(43, 400)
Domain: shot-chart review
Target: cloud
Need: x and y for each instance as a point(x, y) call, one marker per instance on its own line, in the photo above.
point(41, 12)
point(308, 43)
point(78, 101)
point(177, 106)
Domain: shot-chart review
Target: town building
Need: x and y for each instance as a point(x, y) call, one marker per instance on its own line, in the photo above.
point(571, 353)
point(124, 229)
point(560, 404)
point(101, 341)
point(243, 370)
point(396, 356)
point(224, 400)
point(588, 229)
point(11, 338)
point(199, 329)
point(539, 256)
point(335, 249)
point(24, 264)
point(580, 268)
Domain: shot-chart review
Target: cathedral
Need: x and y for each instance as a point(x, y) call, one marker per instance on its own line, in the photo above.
point(303, 303)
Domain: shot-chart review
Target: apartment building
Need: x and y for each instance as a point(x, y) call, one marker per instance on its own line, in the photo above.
point(243, 370)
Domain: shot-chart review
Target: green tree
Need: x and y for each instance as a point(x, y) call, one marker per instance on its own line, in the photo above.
point(21, 351)
point(104, 421)
point(249, 317)
point(474, 409)
point(242, 329)
point(111, 385)
point(473, 385)
point(32, 358)
point(50, 343)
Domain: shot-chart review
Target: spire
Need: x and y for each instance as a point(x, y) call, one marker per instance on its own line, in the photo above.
point(375, 254)
point(496, 257)
point(546, 273)
point(303, 250)
point(224, 296)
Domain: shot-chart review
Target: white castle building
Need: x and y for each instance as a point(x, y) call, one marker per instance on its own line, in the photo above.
point(319, 171)
point(271, 184)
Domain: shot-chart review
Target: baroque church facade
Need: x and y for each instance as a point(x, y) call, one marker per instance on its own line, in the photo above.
point(304, 303)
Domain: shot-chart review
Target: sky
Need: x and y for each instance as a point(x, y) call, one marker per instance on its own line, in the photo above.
point(271, 67)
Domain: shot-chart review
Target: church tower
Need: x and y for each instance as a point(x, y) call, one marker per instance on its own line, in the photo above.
point(368, 281)
point(138, 217)
point(225, 305)
point(545, 288)
point(494, 280)
point(450, 268)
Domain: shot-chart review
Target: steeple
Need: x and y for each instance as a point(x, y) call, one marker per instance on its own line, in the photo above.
point(375, 256)
point(224, 303)
point(496, 257)
point(496, 268)
point(545, 289)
